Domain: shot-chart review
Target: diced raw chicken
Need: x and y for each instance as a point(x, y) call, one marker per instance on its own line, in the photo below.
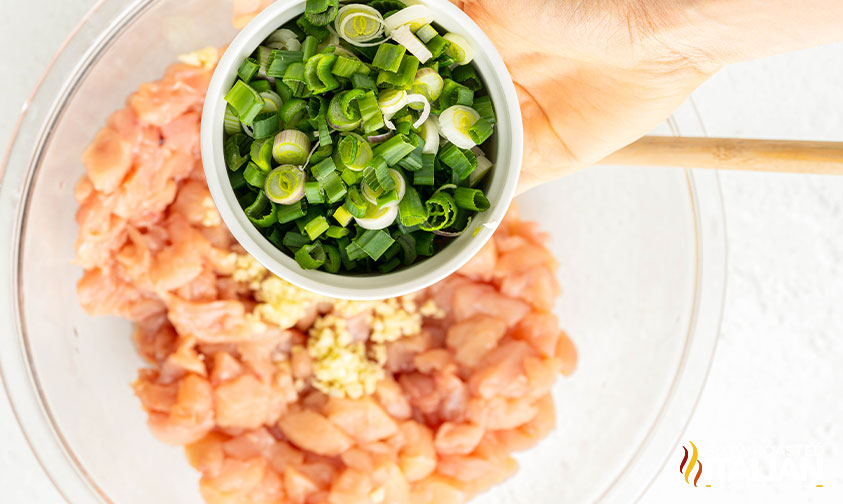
point(501, 413)
point(566, 354)
point(206, 455)
point(437, 489)
point(417, 458)
point(481, 267)
point(182, 133)
point(252, 443)
point(540, 330)
point(536, 286)
point(458, 439)
point(225, 367)
point(527, 435)
point(246, 10)
point(481, 299)
point(363, 419)
point(501, 371)
point(313, 432)
point(471, 339)
point(242, 402)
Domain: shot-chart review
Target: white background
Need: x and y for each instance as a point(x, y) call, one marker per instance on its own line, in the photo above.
point(768, 424)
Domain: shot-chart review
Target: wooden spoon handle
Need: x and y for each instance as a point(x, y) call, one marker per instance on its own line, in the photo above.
point(782, 156)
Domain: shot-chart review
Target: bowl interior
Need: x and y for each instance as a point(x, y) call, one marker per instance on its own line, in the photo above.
point(505, 151)
point(627, 239)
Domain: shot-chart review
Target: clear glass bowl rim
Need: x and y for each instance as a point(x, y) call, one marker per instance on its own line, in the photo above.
point(102, 24)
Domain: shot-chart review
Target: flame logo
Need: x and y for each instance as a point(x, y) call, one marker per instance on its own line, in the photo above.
point(687, 471)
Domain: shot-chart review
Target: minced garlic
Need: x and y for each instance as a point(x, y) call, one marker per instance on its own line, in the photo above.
point(342, 366)
point(206, 58)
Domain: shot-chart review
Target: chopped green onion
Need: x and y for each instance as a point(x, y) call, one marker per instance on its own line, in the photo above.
point(342, 215)
point(354, 252)
point(324, 132)
point(248, 69)
point(254, 176)
point(350, 177)
point(424, 176)
point(454, 93)
point(321, 12)
point(389, 265)
point(323, 168)
point(313, 193)
point(285, 184)
point(272, 102)
point(336, 232)
point(389, 57)
point(291, 112)
point(394, 149)
point(471, 199)
point(280, 60)
point(333, 261)
point(262, 211)
point(236, 151)
point(318, 74)
point(426, 32)
point(315, 227)
point(289, 213)
point(262, 56)
point(414, 46)
point(260, 85)
point(355, 203)
point(459, 48)
point(359, 24)
point(461, 161)
point(245, 101)
point(403, 77)
point(467, 76)
point(309, 47)
point(385, 6)
point(283, 39)
point(428, 83)
point(290, 147)
point(483, 106)
point(411, 211)
point(261, 154)
point(387, 198)
point(237, 180)
point(437, 45)
point(374, 242)
point(294, 78)
point(320, 32)
point(424, 243)
point(408, 247)
point(414, 17)
point(370, 112)
point(480, 131)
point(353, 152)
point(342, 114)
point(311, 256)
point(294, 241)
point(455, 123)
point(413, 160)
point(346, 66)
point(365, 82)
point(441, 211)
point(265, 125)
point(377, 176)
point(334, 187)
point(231, 123)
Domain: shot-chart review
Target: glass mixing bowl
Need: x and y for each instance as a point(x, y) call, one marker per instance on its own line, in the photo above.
point(642, 254)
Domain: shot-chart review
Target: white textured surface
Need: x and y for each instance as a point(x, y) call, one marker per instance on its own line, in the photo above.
point(768, 424)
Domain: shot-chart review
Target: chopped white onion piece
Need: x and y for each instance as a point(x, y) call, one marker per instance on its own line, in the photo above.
point(418, 98)
point(415, 16)
point(405, 37)
point(380, 218)
point(391, 101)
point(360, 35)
point(430, 132)
point(454, 123)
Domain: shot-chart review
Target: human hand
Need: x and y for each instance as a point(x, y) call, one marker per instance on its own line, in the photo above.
point(591, 77)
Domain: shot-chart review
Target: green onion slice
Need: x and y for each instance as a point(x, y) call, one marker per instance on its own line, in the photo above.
point(313, 193)
point(374, 242)
point(321, 12)
point(231, 123)
point(245, 101)
point(428, 83)
point(426, 32)
point(483, 167)
point(283, 38)
point(471, 199)
point(459, 49)
point(292, 111)
point(343, 114)
point(285, 184)
point(455, 123)
point(378, 218)
point(291, 147)
point(359, 24)
point(254, 176)
point(316, 226)
point(389, 57)
point(441, 211)
point(311, 256)
point(333, 260)
point(461, 161)
point(261, 154)
point(411, 211)
point(289, 213)
point(353, 152)
point(355, 204)
point(236, 151)
point(262, 212)
point(317, 73)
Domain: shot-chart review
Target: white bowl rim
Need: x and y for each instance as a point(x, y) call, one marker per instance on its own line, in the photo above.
point(502, 186)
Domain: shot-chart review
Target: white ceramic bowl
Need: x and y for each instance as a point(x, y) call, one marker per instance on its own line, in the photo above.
point(505, 151)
